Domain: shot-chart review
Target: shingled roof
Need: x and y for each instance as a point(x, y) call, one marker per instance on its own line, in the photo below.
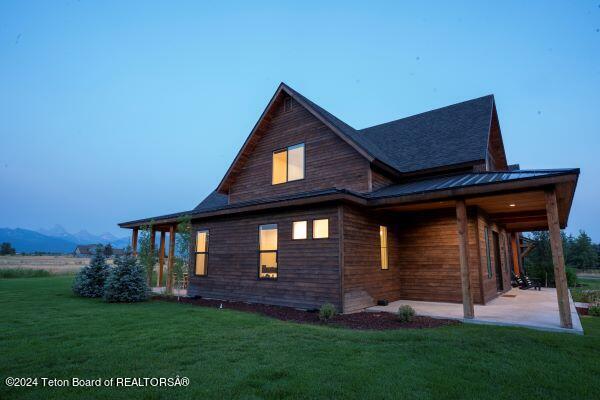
point(452, 135)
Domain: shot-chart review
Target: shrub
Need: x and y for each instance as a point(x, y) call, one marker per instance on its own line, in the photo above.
point(89, 281)
point(327, 311)
point(571, 277)
point(127, 281)
point(586, 296)
point(405, 313)
point(594, 310)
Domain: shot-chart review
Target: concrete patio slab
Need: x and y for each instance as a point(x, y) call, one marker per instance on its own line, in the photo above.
point(522, 308)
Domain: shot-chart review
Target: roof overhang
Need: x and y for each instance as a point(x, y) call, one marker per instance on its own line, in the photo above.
point(518, 205)
point(324, 197)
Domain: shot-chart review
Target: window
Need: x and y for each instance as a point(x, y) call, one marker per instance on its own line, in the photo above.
point(288, 164)
point(201, 252)
point(487, 251)
point(320, 228)
point(267, 249)
point(299, 230)
point(384, 247)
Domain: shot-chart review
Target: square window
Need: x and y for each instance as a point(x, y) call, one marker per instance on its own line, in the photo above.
point(299, 230)
point(320, 228)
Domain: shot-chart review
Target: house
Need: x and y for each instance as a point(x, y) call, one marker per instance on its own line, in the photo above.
point(87, 250)
point(314, 211)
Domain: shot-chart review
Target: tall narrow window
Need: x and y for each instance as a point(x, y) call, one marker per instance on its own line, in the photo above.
point(279, 167)
point(201, 252)
point(320, 229)
point(299, 230)
point(487, 251)
point(296, 162)
point(267, 249)
point(288, 164)
point(383, 239)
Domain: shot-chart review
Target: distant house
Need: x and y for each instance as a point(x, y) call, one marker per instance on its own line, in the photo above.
point(87, 250)
point(313, 211)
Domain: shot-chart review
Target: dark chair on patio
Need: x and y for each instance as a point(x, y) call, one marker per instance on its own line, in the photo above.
point(524, 282)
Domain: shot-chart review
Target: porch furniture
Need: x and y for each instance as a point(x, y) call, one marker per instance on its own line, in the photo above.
point(524, 282)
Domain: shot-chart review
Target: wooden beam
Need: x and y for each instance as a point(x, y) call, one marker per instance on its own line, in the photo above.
point(478, 254)
point(515, 253)
point(161, 258)
point(171, 258)
point(134, 240)
point(558, 259)
point(463, 245)
point(152, 238)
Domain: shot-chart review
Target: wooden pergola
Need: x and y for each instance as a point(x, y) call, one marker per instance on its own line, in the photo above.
point(163, 229)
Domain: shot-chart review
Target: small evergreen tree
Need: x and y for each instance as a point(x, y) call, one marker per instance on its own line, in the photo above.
point(582, 254)
point(127, 281)
point(6, 249)
point(90, 280)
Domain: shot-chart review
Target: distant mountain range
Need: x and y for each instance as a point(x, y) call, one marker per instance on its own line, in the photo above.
point(56, 239)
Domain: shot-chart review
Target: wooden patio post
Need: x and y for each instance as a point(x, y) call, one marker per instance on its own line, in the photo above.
point(134, 240)
point(152, 241)
point(171, 258)
point(161, 258)
point(558, 259)
point(463, 246)
point(515, 253)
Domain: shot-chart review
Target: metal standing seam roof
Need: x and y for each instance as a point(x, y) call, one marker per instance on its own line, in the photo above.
point(464, 180)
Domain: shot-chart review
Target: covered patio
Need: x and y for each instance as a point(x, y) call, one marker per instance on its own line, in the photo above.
point(164, 230)
point(507, 203)
point(519, 308)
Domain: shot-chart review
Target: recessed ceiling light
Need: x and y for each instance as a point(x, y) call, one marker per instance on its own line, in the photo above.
point(512, 205)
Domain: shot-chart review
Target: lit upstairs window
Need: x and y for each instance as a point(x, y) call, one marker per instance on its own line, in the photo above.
point(288, 164)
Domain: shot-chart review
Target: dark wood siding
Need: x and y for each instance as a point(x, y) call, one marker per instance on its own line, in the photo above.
point(364, 280)
point(308, 270)
point(489, 283)
point(379, 180)
point(429, 257)
point(329, 161)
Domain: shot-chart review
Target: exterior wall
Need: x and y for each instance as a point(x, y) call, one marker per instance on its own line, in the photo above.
point(429, 257)
point(364, 281)
point(308, 270)
point(329, 161)
point(378, 180)
point(489, 284)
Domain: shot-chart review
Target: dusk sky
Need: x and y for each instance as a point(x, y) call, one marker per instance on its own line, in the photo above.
point(113, 111)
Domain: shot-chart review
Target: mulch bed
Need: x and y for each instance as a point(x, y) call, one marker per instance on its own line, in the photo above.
point(361, 320)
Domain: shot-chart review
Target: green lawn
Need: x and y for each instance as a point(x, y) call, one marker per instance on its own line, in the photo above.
point(47, 332)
